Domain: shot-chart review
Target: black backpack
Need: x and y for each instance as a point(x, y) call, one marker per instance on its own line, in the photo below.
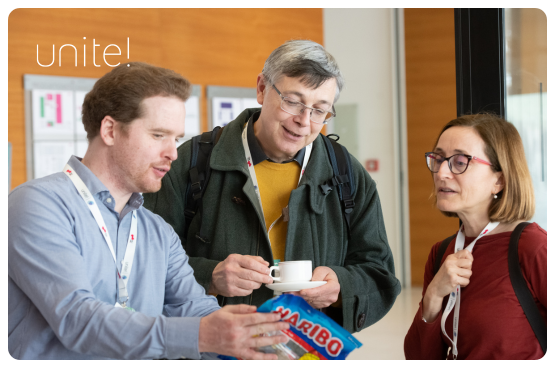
point(520, 287)
point(199, 174)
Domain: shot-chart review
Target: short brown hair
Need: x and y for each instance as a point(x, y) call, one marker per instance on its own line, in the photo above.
point(120, 92)
point(504, 150)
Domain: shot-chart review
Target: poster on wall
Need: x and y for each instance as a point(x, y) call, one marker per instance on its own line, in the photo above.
point(226, 103)
point(192, 116)
point(80, 131)
point(247, 103)
point(81, 148)
point(53, 114)
point(224, 110)
point(51, 156)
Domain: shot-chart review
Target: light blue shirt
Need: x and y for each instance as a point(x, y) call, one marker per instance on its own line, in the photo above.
point(62, 278)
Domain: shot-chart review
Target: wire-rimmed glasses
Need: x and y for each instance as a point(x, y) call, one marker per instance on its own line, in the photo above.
point(457, 163)
point(294, 107)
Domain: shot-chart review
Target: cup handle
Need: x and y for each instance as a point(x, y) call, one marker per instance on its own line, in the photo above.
point(275, 278)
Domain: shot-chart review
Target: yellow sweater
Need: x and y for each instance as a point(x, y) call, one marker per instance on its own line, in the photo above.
point(275, 182)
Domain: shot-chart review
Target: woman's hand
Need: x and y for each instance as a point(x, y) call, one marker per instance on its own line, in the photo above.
point(456, 270)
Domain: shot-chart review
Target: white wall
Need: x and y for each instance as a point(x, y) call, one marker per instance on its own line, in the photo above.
point(363, 43)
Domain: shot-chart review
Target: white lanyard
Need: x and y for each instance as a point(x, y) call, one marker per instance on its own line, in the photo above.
point(127, 263)
point(455, 296)
point(252, 173)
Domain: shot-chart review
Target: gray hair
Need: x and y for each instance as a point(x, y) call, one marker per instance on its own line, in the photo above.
point(305, 59)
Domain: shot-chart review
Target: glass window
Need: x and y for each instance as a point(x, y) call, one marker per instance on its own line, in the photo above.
point(526, 81)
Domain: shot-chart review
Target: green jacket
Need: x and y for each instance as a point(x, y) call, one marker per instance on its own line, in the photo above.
point(316, 229)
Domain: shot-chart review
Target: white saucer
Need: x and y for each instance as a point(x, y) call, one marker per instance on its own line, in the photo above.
point(285, 287)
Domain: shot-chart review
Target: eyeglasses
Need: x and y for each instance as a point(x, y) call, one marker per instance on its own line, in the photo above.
point(293, 107)
point(457, 163)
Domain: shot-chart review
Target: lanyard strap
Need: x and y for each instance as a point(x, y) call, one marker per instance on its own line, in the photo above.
point(455, 296)
point(127, 263)
point(253, 173)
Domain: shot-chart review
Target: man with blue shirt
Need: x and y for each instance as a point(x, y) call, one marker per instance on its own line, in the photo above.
point(94, 275)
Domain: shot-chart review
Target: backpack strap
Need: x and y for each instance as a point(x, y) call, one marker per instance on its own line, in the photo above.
point(522, 291)
point(199, 174)
point(342, 177)
point(441, 251)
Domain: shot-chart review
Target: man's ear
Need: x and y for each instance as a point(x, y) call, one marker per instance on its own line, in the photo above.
point(260, 88)
point(108, 130)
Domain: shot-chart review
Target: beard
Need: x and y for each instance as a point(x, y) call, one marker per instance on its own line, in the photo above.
point(133, 176)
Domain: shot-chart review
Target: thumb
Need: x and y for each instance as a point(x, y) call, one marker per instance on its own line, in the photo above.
point(320, 273)
point(464, 254)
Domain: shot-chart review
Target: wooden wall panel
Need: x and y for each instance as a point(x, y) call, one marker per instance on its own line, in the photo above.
point(225, 47)
point(431, 103)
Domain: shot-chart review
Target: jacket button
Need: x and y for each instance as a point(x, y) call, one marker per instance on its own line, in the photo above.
point(361, 319)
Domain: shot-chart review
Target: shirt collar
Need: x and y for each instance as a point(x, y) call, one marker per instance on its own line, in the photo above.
point(95, 186)
point(257, 153)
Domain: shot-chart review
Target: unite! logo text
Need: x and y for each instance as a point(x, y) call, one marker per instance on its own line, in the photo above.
point(104, 54)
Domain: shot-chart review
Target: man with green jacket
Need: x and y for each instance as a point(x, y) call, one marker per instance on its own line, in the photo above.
point(263, 202)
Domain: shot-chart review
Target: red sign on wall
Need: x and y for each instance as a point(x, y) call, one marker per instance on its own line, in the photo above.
point(372, 165)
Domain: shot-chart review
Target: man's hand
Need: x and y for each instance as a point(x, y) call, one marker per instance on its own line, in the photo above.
point(325, 295)
point(239, 275)
point(233, 331)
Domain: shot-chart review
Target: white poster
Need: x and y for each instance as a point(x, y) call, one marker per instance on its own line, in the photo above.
point(80, 132)
point(247, 103)
point(224, 110)
point(192, 116)
point(81, 148)
point(51, 156)
point(53, 114)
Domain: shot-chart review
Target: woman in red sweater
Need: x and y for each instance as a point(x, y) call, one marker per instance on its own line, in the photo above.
point(480, 176)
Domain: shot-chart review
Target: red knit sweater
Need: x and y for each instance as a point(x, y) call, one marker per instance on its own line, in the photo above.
point(492, 323)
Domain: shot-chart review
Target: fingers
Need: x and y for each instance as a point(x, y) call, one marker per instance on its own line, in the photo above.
point(268, 340)
point(463, 282)
point(462, 259)
point(252, 263)
point(247, 285)
point(330, 288)
point(464, 273)
point(267, 327)
point(464, 254)
point(315, 292)
point(259, 259)
point(256, 318)
point(322, 296)
point(240, 308)
point(250, 275)
point(464, 263)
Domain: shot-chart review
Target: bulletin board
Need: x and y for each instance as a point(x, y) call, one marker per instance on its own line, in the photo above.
point(226, 103)
point(53, 127)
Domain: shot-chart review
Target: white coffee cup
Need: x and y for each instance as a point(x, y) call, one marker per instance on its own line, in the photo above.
point(291, 271)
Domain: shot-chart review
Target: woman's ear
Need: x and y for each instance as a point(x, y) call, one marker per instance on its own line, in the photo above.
point(500, 184)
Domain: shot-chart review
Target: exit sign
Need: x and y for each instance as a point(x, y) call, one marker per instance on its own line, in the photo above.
point(372, 165)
